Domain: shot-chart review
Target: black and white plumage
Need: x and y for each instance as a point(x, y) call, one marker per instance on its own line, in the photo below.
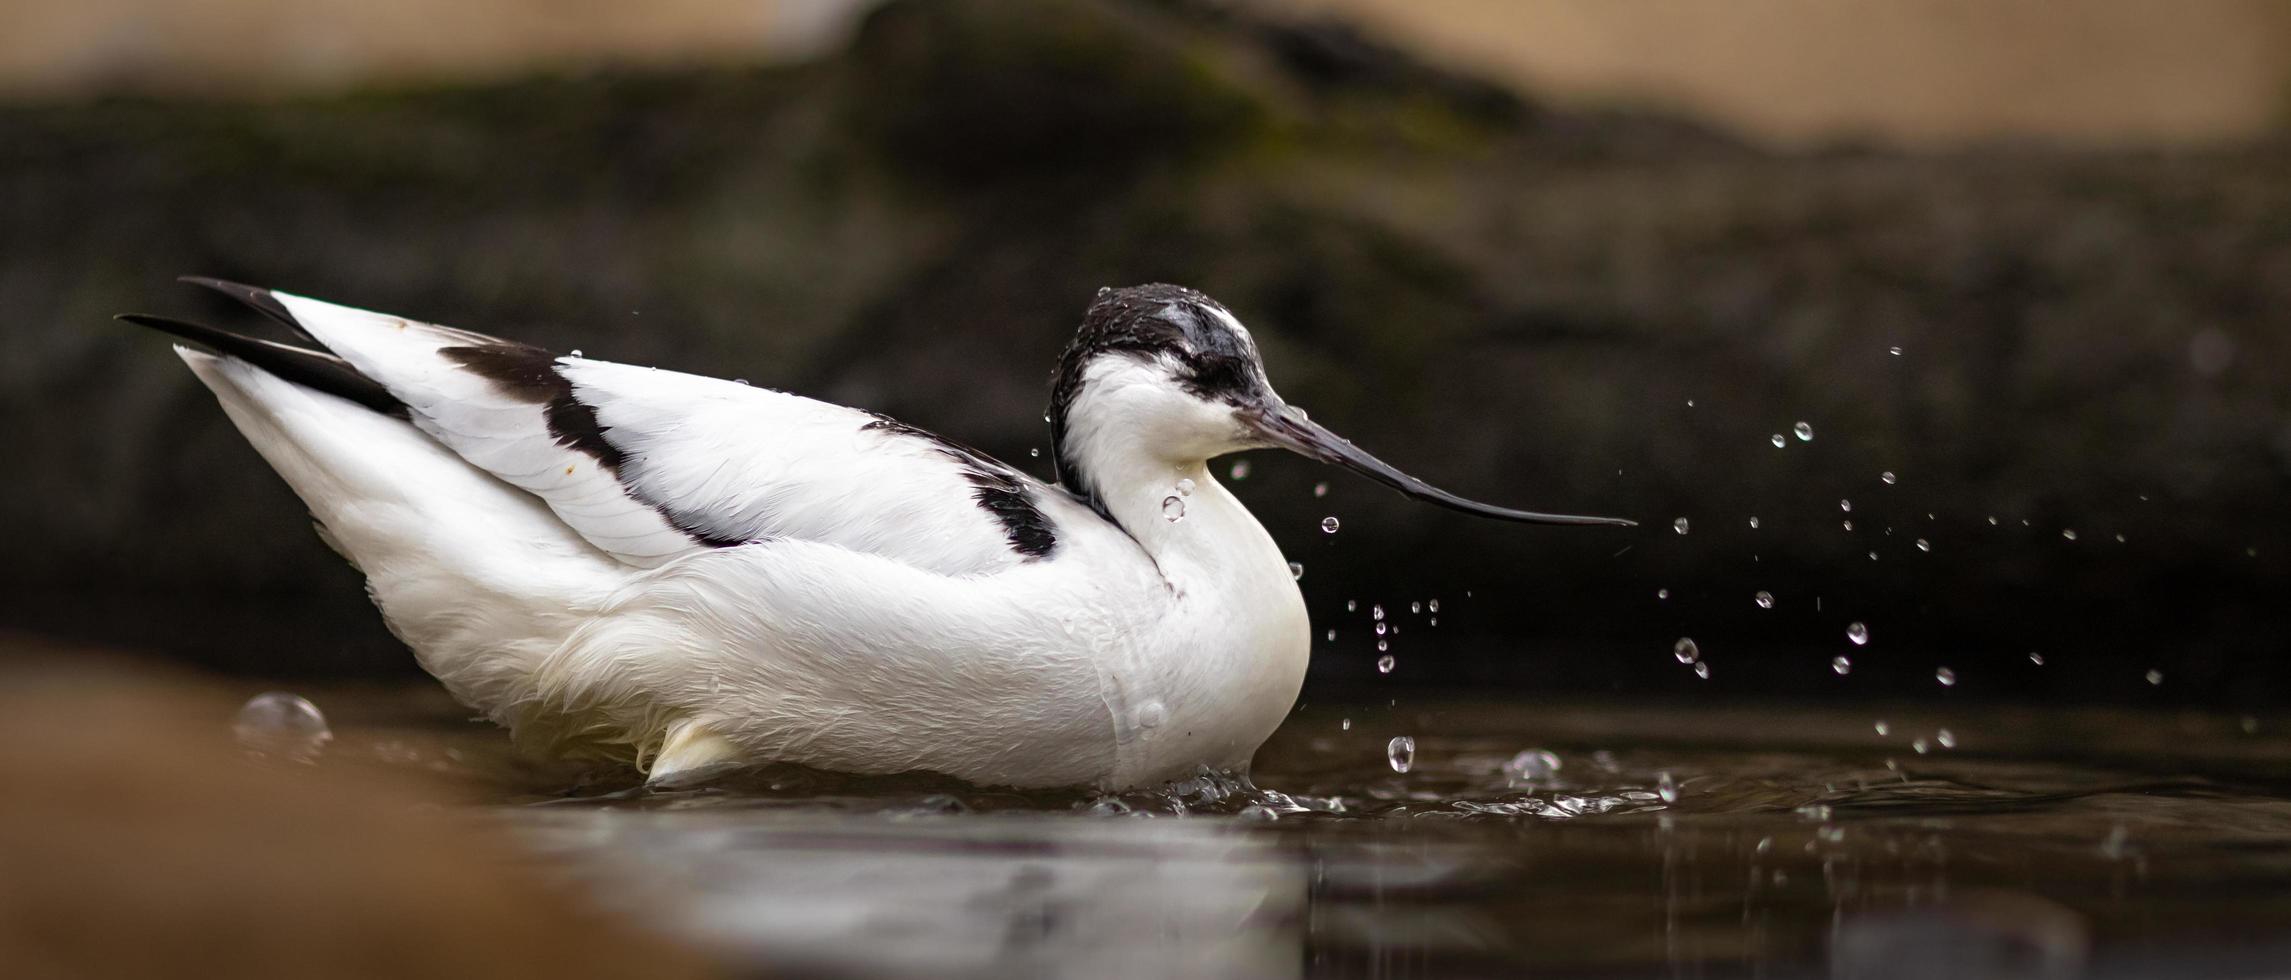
point(689, 573)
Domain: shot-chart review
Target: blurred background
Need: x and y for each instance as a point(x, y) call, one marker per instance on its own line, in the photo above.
point(1967, 322)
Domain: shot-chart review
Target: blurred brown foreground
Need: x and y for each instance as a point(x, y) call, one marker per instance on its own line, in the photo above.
point(137, 841)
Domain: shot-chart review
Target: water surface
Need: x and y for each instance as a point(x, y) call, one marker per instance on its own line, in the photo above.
point(1669, 840)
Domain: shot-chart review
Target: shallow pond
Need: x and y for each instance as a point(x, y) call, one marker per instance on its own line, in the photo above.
point(1549, 839)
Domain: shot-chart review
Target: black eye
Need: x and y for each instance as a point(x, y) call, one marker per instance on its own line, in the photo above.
point(1218, 377)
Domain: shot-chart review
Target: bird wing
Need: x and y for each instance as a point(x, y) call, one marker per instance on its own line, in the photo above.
point(650, 465)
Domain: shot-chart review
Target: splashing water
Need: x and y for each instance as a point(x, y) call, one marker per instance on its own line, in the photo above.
point(1532, 764)
point(287, 726)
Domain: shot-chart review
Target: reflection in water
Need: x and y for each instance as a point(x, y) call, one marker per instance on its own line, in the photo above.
point(1551, 839)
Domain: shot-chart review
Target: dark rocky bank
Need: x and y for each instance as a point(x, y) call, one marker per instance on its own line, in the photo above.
point(1514, 300)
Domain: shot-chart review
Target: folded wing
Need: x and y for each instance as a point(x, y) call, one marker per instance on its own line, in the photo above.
point(651, 465)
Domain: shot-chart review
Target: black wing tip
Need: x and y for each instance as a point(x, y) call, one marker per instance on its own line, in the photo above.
point(312, 369)
point(261, 300)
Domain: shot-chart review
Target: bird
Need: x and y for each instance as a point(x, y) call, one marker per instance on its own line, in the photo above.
point(687, 575)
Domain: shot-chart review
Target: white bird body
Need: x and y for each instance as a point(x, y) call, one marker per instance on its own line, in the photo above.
point(687, 573)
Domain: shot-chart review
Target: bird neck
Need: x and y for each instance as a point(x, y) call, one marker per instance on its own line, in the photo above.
point(1195, 530)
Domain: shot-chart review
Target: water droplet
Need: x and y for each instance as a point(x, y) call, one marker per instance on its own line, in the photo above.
point(1035, 452)
point(1992, 520)
point(1849, 525)
point(1690, 403)
point(1533, 764)
point(576, 352)
point(1376, 612)
point(1433, 605)
point(1842, 665)
point(1666, 787)
point(1381, 629)
point(1947, 677)
point(1328, 525)
point(1780, 440)
point(1764, 599)
point(2155, 677)
point(1347, 725)
point(1883, 728)
point(1858, 633)
point(1296, 570)
point(2069, 533)
point(1888, 478)
point(1151, 714)
point(1679, 525)
point(1240, 469)
point(1332, 636)
point(1895, 351)
point(1946, 738)
point(1662, 593)
point(1435, 620)
point(1686, 651)
point(1401, 752)
point(1351, 605)
point(1320, 489)
point(1702, 670)
point(1873, 556)
point(1173, 509)
point(742, 382)
point(1415, 608)
point(1921, 745)
point(1384, 664)
point(1846, 505)
point(1185, 488)
point(1805, 432)
point(1383, 645)
point(1924, 545)
point(2119, 539)
point(280, 724)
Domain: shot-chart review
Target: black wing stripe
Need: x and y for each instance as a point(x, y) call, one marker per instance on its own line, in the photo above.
point(529, 374)
point(995, 487)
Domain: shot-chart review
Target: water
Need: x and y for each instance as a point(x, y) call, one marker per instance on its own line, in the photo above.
point(1635, 840)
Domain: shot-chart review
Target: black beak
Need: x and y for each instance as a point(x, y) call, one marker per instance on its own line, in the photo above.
point(1289, 429)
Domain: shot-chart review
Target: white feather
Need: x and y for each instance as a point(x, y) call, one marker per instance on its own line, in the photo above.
point(880, 620)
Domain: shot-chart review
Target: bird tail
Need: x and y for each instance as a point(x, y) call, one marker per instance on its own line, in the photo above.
point(478, 577)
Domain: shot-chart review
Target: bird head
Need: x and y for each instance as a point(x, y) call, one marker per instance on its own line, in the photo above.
point(1168, 373)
